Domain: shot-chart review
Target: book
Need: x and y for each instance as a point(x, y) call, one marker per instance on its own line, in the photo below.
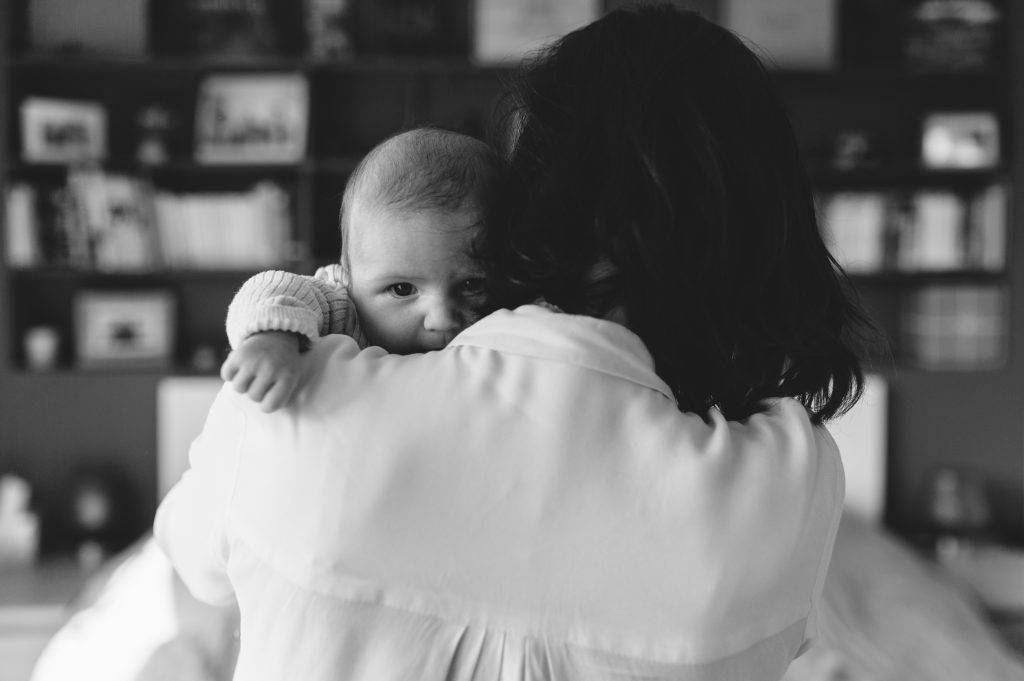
point(953, 35)
point(986, 239)
point(22, 244)
point(939, 230)
point(252, 118)
point(853, 224)
point(329, 26)
point(114, 213)
point(225, 230)
point(901, 252)
point(231, 28)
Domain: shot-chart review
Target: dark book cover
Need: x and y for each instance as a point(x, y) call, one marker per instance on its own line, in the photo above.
point(230, 29)
point(953, 35)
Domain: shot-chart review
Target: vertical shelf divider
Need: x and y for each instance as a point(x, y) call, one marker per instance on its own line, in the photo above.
point(6, 38)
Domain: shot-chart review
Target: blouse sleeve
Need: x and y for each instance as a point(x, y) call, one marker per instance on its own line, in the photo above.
point(191, 522)
point(284, 301)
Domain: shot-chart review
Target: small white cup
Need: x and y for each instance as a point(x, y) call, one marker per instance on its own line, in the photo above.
point(41, 345)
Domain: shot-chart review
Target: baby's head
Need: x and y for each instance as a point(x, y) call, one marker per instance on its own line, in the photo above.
point(409, 217)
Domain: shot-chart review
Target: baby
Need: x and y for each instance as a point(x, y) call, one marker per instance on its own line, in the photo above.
point(407, 280)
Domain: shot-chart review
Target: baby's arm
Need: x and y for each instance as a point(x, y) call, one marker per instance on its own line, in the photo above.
point(284, 301)
point(271, 319)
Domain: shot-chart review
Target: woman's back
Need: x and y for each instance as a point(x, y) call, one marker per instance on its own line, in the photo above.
point(579, 526)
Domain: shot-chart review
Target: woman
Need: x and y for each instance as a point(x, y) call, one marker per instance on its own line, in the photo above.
point(631, 487)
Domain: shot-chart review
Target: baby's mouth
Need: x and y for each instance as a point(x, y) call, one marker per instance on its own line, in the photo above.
point(439, 341)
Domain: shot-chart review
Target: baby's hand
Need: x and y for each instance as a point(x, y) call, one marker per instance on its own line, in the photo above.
point(265, 367)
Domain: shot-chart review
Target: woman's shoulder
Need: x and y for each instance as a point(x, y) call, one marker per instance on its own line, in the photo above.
point(783, 432)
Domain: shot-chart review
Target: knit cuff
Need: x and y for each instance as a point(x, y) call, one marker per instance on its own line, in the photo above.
point(276, 315)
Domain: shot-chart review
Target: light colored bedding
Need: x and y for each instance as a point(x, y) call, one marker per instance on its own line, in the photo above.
point(136, 621)
point(887, 615)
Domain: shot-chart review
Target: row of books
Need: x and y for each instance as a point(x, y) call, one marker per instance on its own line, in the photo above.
point(116, 222)
point(919, 231)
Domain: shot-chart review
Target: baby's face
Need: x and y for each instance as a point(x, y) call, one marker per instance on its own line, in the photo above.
point(412, 278)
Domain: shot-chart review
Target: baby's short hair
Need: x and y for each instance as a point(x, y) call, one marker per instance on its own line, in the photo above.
point(426, 169)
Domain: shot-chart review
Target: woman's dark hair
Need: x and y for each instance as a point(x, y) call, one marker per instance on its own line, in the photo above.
point(660, 176)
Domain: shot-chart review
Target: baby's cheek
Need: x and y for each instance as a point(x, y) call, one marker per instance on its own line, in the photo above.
point(471, 317)
point(477, 310)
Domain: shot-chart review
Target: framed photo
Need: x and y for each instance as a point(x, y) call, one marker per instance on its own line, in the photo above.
point(106, 27)
point(961, 139)
point(124, 329)
point(62, 130)
point(505, 32)
point(791, 33)
point(252, 118)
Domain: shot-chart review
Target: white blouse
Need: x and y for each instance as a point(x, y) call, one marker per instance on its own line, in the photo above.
point(528, 503)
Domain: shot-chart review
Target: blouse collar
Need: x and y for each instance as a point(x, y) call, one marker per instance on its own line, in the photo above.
point(543, 333)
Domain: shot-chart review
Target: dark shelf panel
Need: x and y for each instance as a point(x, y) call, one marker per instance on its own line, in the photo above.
point(337, 164)
point(91, 63)
point(425, 65)
point(818, 170)
point(923, 277)
point(900, 173)
point(65, 372)
point(184, 166)
point(895, 74)
point(828, 77)
point(57, 273)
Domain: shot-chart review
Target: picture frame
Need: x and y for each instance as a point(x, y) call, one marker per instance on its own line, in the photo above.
point(960, 140)
point(252, 118)
point(800, 34)
point(99, 27)
point(63, 130)
point(504, 32)
point(124, 329)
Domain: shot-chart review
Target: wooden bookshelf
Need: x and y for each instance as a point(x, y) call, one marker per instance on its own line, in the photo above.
point(50, 420)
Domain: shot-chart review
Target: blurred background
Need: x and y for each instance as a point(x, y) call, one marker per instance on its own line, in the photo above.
point(155, 153)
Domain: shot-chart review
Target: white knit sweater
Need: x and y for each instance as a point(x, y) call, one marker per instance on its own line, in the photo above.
point(311, 306)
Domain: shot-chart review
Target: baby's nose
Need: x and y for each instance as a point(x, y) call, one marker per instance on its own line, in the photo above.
point(443, 315)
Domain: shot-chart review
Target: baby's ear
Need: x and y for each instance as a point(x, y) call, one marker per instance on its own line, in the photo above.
point(342, 268)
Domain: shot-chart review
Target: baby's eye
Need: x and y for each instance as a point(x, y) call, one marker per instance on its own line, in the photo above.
point(472, 287)
point(401, 290)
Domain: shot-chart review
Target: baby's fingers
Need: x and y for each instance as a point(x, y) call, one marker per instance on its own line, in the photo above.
point(259, 387)
point(229, 369)
point(279, 394)
point(242, 379)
